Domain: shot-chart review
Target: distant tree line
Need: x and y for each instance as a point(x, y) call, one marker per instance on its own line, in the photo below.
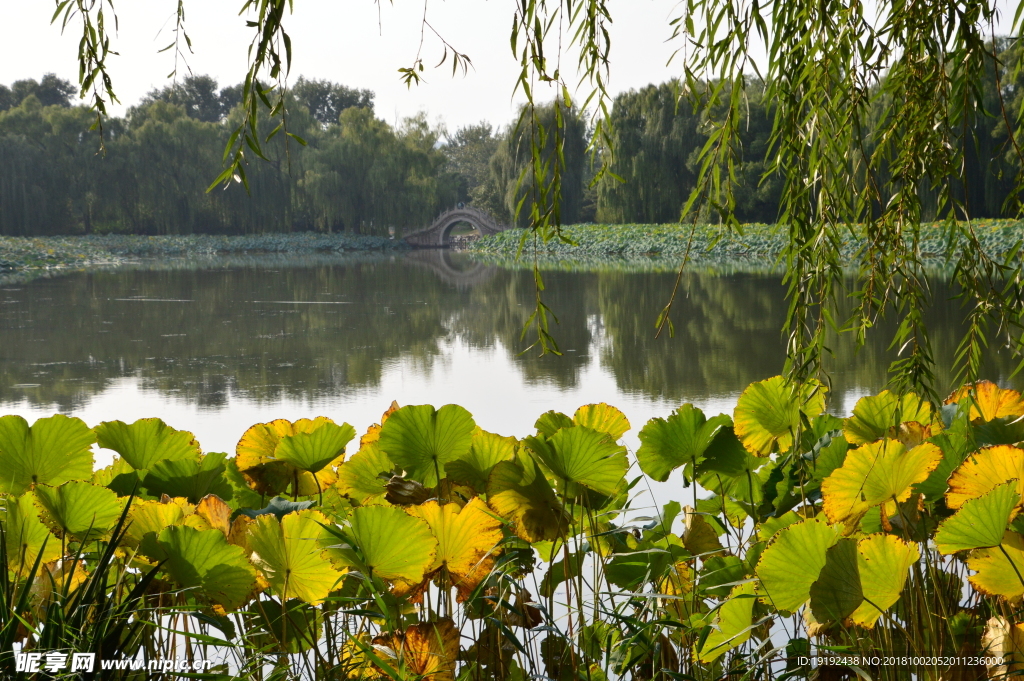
point(358, 173)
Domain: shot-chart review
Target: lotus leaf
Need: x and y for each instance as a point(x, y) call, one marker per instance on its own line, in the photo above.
point(681, 439)
point(732, 625)
point(983, 471)
point(836, 593)
point(421, 440)
point(290, 554)
point(268, 475)
point(875, 415)
point(147, 519)
point(876, 474)
point(313, 451)
point(192, 478)
point(1003, 641)
point(372, 433)
point(699, 537)
point(278, 507)
point(52, 451)
point(550, 422)
point(147, 441)
point(769, 412)
point(630, 570)
point(80, 509)
point(58, 577)
point(792, 562)
point(883, 562)
point(292, 629)
point(429, 650)
point(1000, 569)
point(602, 417)
point(203, 562)
point(980, 522)
point(719, 574)
point(486, 451)
point(359, 478)
point(582, 456)
point(518, 492)
point(212, 514)
point(988, 401)
point(26, 535)
point(467, 540)
point(394, 545)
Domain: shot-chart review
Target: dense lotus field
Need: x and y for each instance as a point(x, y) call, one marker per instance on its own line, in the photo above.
point(713, 244)
point(70, 251)
point(429, 549)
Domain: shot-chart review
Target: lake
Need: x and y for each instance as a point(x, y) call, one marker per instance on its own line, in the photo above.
point(215, 345)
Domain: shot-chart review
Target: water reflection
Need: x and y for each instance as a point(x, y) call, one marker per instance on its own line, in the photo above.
point(260, 330)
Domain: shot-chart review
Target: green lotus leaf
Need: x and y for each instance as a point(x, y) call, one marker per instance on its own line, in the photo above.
point(256, 458)
point(421, 440)
point(315, 450)
point(602, 417)
point(293, 629)
point(582, 456)
point(192, 478)
point(52, 451)
point(518, 492)
point(550, 422)
point(393, 544)
point(719, 574)
point(980, 522)
point(836, 593)
point(147, 519)
point(486, 452)
point(681, 439)
point(792, 562)
point(205, 564)
point(360, 478)
point(632, 569)
point(732, 624)
point(80, 509)
point(146, 441)
point(290, 554)
point(874, 415)
point(769, 412)
point(999, 568)
point(26, 535)
point(883, 562)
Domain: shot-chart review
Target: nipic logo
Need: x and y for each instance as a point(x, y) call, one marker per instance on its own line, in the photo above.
point(55, 661)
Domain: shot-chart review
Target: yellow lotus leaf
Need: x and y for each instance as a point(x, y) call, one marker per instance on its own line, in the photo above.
point(57, 577)
point(1003, 641)
point(602, 417)
point(875, 416)
point(373, 432)
point(1000, 568)
point(883, 562)
point(146, 519)
point(876, 474)
point(26, 535)
point(699, 537)
point(989, 401)
point(289, 552)
point(466, 541)
point(518, 492)
point(984, 470)
point(270, 474)
point(769, 412)
point(211, 514)
point(430, 650)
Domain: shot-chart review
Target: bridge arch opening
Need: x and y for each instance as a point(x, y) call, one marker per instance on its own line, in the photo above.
point(439, 234)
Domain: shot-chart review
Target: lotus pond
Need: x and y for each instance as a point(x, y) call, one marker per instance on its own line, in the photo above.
point(429, 548)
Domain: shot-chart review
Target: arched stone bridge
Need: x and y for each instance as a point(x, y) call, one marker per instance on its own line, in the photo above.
point(437, 234)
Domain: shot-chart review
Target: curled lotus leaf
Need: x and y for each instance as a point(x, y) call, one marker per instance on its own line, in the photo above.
point(582, 456)
point(289, 551)
point(147, 441)
point(211, 513)
point(769, 412)
point(51, 451)
point(422, 440)
point(467, 540)
point(980, 522)
point(372, 433)
point(732, 625)
point(680, 440)
point(79, 509)
point(602, 417)
point(875, 416)
point(983, 471)
point(518, 492)
point(486, 451)
point(264, 472)
point(26, 535)
point(60, 576)
point(791, 563)
point(1000, 568)
point(360, 477)
point(988, 401)
point(393, 544)
point(1003, 641)
point(550, 422)
point(147, 519)
point(880, 473)
point(430, 650)
point(209, 568)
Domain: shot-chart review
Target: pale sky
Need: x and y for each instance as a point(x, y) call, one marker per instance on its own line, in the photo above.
point(340, 40)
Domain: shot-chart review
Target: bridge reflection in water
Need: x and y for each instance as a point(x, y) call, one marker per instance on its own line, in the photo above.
point(453, 268)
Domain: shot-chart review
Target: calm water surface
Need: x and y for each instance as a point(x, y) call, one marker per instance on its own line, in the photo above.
point(216, 346)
